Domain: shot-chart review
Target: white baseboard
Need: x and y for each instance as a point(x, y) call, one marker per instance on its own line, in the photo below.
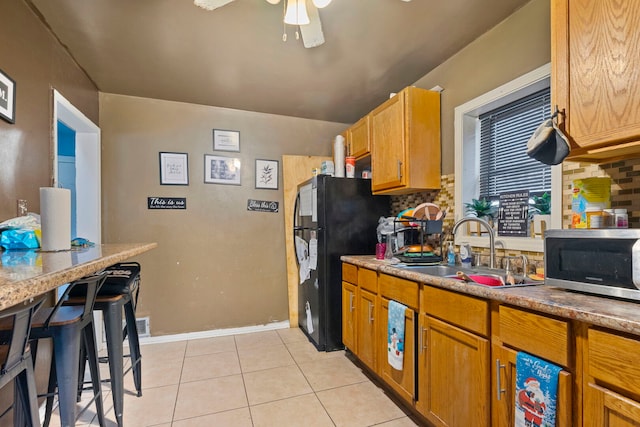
point(214, 333)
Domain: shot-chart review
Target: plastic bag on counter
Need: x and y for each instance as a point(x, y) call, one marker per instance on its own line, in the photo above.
point(22, 232)
point(387, 226)
point(31, 221)
point(19, 239)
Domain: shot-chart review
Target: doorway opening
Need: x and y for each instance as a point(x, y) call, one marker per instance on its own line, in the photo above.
point(76, 166)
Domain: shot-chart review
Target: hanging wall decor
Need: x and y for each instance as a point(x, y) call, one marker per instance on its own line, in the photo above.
point(221, 170)
point(226, 140)
point(7, 98)
point(267, 174)
point(174, 169)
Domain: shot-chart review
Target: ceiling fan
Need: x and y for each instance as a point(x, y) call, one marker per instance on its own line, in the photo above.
point(302, 13)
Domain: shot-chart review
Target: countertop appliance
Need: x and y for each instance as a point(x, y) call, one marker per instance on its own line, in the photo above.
point(599, 261)
point(332, 217)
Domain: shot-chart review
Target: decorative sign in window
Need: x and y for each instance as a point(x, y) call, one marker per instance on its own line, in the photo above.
point(166, 203)
point(513, 214)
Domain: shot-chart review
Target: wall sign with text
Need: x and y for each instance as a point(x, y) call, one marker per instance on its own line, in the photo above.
point(513, 214)
point(262, 206)
point(166, 203)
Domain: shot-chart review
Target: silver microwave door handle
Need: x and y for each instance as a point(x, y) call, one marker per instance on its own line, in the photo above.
point(635, 263)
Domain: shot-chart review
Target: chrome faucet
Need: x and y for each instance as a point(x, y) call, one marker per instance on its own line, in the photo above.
point(492, 237)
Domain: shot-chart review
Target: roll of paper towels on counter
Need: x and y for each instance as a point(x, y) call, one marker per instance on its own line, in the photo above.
point(338, 156)
point(55, 218)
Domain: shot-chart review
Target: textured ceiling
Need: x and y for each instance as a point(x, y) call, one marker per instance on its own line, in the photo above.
point(234, 56)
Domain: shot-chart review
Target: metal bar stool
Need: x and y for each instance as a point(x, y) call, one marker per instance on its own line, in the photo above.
point(16, 362)
point(119, 293)
point(71, 328)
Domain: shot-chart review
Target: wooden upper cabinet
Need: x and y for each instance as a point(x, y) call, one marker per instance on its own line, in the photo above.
point(596, 76)
point(405, 143)
point(358, 139)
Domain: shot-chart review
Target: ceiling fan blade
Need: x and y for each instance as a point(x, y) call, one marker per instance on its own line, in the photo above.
point(312, 34)
point(211, 4)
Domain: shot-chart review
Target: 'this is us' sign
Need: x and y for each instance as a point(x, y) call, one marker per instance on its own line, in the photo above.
point(166, 203)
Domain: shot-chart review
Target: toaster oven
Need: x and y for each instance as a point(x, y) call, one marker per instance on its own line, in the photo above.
point(598, 261)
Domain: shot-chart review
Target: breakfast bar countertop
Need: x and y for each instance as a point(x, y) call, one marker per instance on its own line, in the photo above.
point(620, 315)
point(25, 274)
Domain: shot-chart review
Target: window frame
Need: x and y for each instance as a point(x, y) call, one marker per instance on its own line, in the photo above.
point(467, 158)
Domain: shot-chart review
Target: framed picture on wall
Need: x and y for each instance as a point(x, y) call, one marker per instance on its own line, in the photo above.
point(7, 98)
point(226, 140)
point(267, 174)
point(174, 168)
point(221, 170)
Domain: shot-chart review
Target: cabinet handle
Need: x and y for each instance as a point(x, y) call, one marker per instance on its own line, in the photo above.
point(399, 169)
point(351, 303)
point(370, 313)
point(499, 389)
point(423, 342)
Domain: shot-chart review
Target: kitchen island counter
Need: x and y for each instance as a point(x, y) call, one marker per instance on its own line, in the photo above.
point(611, 313)
point(27, 274)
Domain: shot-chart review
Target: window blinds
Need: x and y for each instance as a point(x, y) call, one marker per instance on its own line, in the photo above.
point(504, 132)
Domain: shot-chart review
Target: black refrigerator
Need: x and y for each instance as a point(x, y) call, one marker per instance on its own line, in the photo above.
point(332, 217)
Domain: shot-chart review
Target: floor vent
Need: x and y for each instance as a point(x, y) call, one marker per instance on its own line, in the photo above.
point(142, 323)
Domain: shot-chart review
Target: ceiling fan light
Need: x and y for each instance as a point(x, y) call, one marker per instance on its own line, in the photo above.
point(273, 1)
point(321, 3)
point(296, 13)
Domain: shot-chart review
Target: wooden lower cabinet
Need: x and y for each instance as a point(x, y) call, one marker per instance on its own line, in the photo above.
point(366, 328)
point(453, 380)
point(403, 382)
point(604, 407)
point(503, 390)
point(349, 315)
point(539, 335)
point(612, 380)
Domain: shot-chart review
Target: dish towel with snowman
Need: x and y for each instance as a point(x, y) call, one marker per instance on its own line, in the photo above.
point(395, 335)
point(536, 392)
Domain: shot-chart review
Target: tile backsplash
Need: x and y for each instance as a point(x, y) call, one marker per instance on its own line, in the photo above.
point(625, 186)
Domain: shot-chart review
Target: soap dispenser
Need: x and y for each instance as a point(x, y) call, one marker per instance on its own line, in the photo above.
point(451, 254)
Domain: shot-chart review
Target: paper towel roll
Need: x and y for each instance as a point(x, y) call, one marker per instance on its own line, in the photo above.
point(338, 156)
point(55, 218)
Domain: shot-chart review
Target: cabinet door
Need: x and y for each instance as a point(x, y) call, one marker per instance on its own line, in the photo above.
point(358, 137)
point(453, 385)
point(349, 316)
point(503, 389)
point(596, 73)
point(366, 331)
point(403, 382)
point(606, 408)
point(388, 144)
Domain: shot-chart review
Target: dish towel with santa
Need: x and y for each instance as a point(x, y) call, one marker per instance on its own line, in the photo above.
point(395, 335)
point(536, 391)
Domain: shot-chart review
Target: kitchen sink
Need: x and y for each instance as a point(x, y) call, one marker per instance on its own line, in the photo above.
point(433, 270)
point(481, 276)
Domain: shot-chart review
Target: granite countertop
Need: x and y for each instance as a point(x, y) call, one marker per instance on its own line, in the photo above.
point(26, 274)
point(611, 313)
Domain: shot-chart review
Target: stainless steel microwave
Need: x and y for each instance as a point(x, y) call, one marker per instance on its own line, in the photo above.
point(603, 261)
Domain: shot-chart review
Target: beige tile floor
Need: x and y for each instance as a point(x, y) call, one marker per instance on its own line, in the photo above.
point(273, 378)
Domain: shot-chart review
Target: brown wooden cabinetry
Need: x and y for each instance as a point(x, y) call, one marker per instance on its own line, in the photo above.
point(358, 140)
point(453, 360)
point(541, 336)
point(366, 328)
point(349, 299)
point(405, 142)
point(596, 76)
point(612, 380)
